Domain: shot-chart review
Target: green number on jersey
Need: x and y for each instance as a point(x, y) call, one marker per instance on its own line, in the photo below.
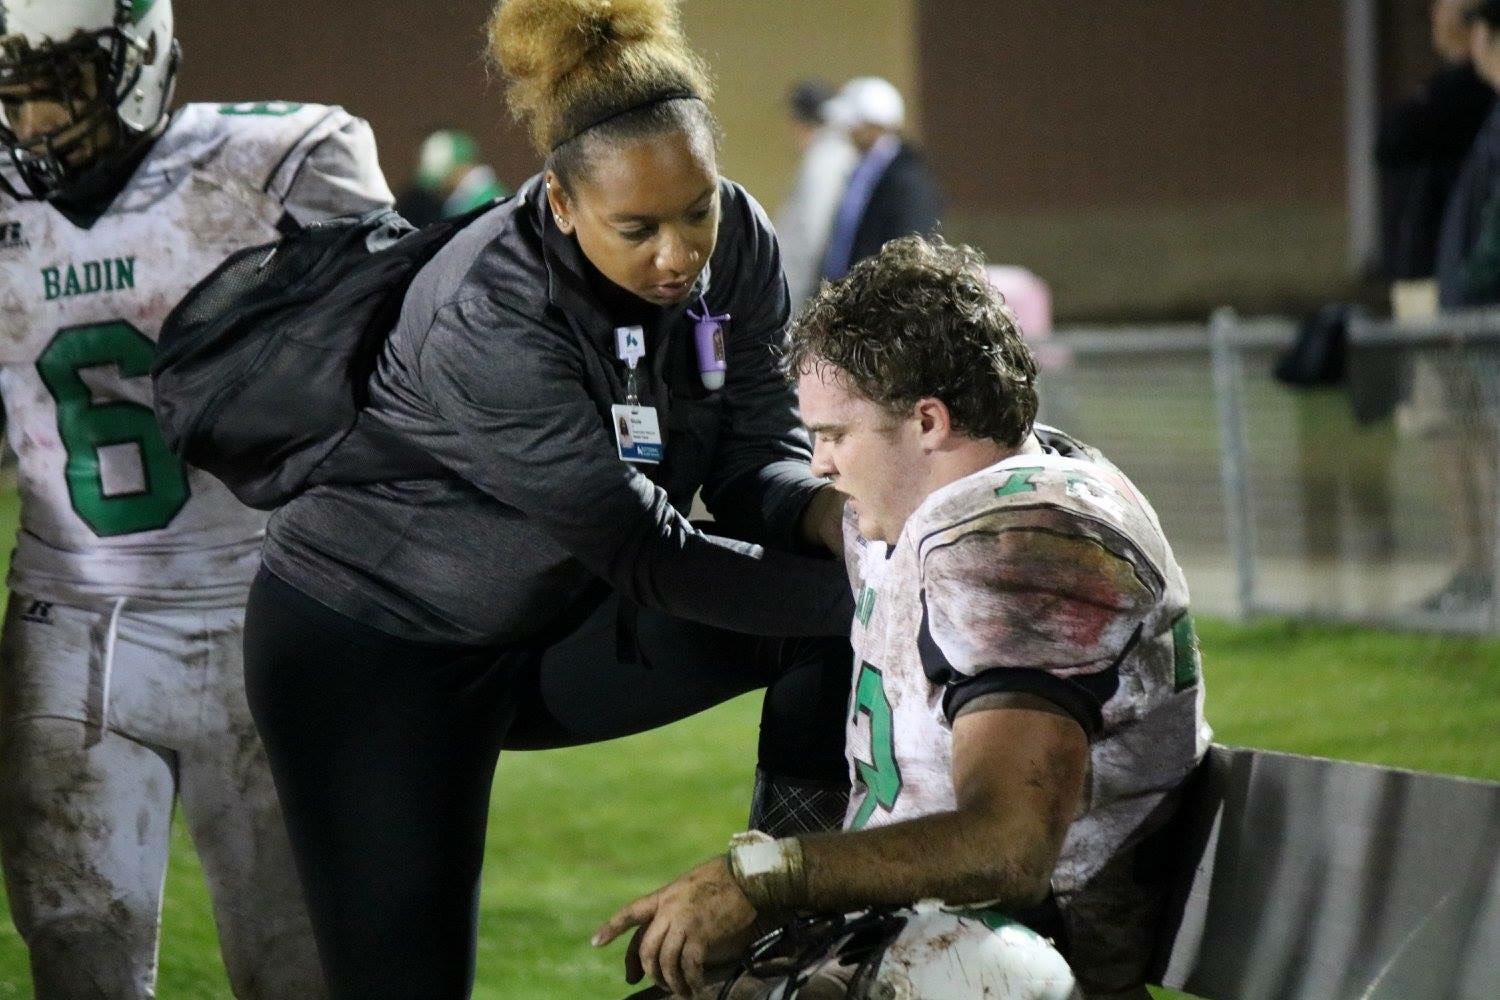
point(275, 109)
point(1020, 481)
point(882, 777)
point(128, 429)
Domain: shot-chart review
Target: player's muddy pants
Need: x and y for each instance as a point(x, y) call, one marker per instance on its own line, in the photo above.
point(384, 753)
point(108, 716)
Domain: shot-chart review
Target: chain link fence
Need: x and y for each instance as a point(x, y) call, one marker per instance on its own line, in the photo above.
point(1372, 501)
point(1145, 397)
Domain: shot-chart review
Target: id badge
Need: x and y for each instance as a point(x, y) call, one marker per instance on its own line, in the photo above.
point(637, 434)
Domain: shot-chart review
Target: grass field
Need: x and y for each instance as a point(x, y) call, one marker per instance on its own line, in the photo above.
point(574, 833)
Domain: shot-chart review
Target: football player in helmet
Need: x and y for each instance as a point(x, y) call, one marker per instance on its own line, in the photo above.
point(120, 667)
point(1026, 694)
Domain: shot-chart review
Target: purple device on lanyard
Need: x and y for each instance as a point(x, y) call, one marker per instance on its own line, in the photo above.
point(708, 337)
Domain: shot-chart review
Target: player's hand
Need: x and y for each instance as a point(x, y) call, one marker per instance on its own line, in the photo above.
point(702, 917)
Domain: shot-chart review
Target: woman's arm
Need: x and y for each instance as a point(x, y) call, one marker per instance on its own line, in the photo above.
point(531, 436)
point(823, 521)
point(759, 485)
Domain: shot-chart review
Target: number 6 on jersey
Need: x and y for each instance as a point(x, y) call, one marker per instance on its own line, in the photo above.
point(121, 477)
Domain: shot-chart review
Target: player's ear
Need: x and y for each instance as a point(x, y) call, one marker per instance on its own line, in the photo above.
point(934, 422)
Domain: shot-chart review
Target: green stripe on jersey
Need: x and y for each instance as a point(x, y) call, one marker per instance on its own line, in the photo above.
point(1185, 652)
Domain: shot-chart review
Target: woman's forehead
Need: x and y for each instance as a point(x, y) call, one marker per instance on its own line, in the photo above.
point(655, 176)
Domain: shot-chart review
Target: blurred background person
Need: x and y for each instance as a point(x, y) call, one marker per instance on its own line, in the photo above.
point(1467, 262)
point(1421, 148)
point(449, 180)
point(806, 217)
point(891, 191)
point(1454, 397)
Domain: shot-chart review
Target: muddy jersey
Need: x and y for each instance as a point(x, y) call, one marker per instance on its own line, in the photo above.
point(1046, 574)
point(106, 509)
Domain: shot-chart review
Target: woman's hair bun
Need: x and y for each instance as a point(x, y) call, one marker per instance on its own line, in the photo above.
point(560, 55)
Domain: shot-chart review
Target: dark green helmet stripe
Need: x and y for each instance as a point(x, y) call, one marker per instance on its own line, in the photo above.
point(139, 9)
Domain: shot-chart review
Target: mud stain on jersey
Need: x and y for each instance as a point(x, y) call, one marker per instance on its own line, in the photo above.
point(11, 304)
point(1033, 597)
point(143, 822)
point(221, 217)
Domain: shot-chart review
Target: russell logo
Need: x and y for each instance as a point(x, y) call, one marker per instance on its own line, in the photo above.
point(11, 236)
point(39, 612)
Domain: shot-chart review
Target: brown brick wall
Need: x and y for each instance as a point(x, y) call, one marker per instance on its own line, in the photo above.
point(407, 67)
point(1039, 105)
point(410, 67)
point(1147, 157)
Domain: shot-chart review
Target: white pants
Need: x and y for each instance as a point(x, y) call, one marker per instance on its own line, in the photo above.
point(107, 717)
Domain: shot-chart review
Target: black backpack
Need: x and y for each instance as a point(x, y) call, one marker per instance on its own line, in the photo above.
point(1318, 356)
point(260, 372)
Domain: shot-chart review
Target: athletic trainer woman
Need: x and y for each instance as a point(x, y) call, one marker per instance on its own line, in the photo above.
point(584, 358)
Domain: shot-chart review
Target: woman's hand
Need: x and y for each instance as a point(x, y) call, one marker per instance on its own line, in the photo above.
point(823, 520)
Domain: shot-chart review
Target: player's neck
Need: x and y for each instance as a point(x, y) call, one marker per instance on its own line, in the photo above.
point(960, 458)
point(966, 456)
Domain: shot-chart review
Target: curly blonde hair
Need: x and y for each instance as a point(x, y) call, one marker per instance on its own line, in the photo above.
point(623, 65)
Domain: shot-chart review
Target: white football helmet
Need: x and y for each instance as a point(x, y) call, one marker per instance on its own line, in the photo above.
point(925, 952)
point(46, 50)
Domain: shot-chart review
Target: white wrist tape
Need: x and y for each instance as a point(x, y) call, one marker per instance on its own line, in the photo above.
point(770, 872)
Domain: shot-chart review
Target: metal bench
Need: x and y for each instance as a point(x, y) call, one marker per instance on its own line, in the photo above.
point(1311, 879)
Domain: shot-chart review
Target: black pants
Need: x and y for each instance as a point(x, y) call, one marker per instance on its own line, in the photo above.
point(384, 750)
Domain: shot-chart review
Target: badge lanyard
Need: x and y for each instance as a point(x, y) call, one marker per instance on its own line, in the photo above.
point(637, 430)
point(630, 347)
point(708, 338)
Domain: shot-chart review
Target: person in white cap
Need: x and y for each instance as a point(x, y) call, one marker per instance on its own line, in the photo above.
point(806, 218)
point(891, 191)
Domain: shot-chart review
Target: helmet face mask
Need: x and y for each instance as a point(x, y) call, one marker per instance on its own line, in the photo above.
point(83, 84)
point(55, 121)
point(847, 947)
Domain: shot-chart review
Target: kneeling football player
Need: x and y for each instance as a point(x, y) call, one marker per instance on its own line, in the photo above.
point(1026, 698)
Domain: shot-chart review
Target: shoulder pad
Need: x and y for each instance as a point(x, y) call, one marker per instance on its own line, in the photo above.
point(260, 143)
point(1068, 496)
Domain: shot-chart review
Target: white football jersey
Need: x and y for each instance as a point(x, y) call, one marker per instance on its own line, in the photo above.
point(106, 509)
point(1042, 574)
